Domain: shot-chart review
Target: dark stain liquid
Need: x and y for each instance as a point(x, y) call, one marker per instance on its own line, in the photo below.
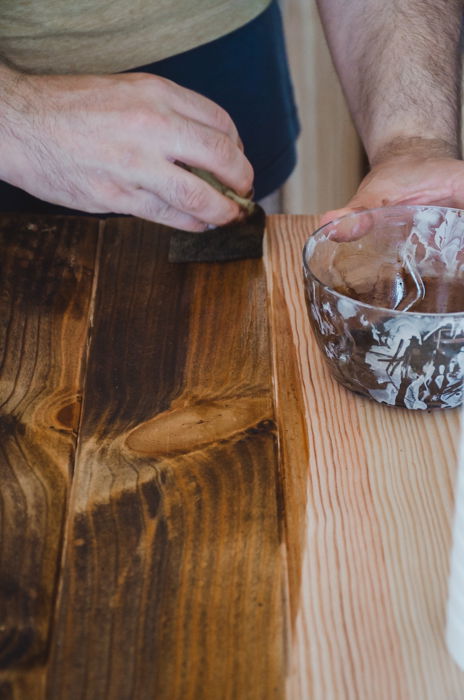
point(442, 295)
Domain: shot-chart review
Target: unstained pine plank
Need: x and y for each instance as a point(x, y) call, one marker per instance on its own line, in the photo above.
point(46, 277)
point(172, 576)
point(369, 537)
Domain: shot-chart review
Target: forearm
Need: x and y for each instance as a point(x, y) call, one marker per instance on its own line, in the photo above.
point(14, 106)
point(400, 66)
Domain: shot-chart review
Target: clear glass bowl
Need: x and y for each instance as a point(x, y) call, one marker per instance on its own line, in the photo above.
point(385, 297)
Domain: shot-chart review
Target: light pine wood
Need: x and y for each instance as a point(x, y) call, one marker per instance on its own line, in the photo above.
point(329, 153)
point(172, 576)
point(46, 274)
point(368, 603)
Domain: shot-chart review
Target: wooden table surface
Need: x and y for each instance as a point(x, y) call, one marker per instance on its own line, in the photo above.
point(190, 507)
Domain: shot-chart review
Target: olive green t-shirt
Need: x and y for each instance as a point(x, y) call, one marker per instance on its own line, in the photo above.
point(107, 36)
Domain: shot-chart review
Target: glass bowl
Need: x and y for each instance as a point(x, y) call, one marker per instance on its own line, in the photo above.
point(385, 297)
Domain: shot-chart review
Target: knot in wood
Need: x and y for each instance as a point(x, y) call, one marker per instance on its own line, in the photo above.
point(186, 429)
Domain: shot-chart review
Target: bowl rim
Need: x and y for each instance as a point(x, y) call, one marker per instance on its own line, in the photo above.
point(422, 314)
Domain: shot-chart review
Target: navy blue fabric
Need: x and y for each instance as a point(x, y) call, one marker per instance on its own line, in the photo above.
point(246, 72)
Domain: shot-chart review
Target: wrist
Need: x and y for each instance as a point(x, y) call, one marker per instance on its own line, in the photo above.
point(414, 147)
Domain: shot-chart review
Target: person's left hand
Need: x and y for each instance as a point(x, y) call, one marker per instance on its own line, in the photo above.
point(408, 179)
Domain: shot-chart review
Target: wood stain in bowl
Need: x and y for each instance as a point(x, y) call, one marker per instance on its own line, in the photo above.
point(442, 295)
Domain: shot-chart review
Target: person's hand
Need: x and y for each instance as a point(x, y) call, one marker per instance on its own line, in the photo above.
point(407, 179)
point(112, 143)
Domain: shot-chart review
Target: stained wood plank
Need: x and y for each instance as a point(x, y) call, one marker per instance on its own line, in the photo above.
point(172, 578)
point(292, 428)
point(369, 608)
point(46, 276)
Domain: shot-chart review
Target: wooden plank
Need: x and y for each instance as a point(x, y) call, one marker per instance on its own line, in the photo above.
point(172, 580)
point(330, 161)
point(292, 428)
point(378, 481)
point(46, 276)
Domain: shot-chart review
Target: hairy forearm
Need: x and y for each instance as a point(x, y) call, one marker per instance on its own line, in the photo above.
point(11, 94)
point(400, 66)
point(13, 107)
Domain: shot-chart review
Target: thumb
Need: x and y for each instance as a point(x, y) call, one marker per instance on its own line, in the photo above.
point(337, 213)
point(352, 228)
point(364, 199)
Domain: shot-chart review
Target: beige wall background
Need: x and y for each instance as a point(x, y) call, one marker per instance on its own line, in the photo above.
point(329, 153)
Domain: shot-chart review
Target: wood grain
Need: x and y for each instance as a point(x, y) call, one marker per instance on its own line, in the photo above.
point(46, 275)
point(330, 161)
point(199, 561)
point(370, 602)
point(172, 576)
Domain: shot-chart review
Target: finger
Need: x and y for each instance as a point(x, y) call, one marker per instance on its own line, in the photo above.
point(353, 227)
point(349, 224)
point(205, 147)
point(192, 105)
point(333, 214)
point(360, 202)
point(149, 206)
point(191, 195)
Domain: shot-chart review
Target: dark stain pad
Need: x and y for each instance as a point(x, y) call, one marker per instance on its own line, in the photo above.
point(235, 241)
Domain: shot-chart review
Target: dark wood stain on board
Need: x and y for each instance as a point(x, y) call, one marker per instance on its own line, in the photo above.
point(46, 276)
point(171, 584)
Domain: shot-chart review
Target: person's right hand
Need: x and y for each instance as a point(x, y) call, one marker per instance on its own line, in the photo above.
point(407, 179)
point(111, 144)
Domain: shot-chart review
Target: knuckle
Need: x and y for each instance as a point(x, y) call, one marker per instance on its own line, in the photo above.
point(189, 198)
point(230, 214)
point(159, 211)
point(152, 209)
point(222, 119)
point(222, 149)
